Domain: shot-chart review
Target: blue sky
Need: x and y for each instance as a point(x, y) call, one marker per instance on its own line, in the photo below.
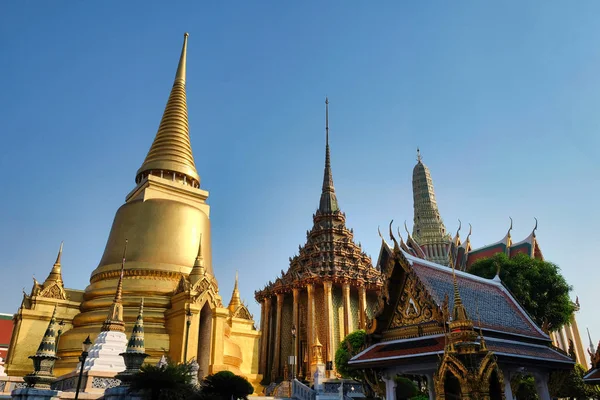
point(503, 100)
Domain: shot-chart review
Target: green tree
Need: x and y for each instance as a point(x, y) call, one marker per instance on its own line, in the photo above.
point(405, 388)
point(169, 382)
point(536, 284)
point(348, 348)
point(569, 384)
point(226, 385)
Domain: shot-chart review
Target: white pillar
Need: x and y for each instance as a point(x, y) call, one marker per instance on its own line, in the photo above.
point(541, 385)
point(390, 387)
point(431, 387)
point(507, 389)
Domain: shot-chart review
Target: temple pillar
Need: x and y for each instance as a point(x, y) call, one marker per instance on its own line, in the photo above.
point(563, 335)
point(431, 386)
point(577, 340)
point(541, 385)
point(347, 311)
point(390, 387)
point(508, 395)
point(330, 342)
point(310, 336)
point(362, 305)
point(296, 344)
point(265, 336)
point(277, 351)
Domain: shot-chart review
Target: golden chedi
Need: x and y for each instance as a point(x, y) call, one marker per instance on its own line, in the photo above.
point(165, 219)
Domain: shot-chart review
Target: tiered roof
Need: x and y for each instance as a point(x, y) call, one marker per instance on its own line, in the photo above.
point(330, 252)
point(413, 313)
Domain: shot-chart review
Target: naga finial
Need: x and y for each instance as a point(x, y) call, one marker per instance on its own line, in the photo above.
point(511, 226)
point(535, 227)
point(380, 235)
point(406, 229)
point(459, 227)
point(392, 236)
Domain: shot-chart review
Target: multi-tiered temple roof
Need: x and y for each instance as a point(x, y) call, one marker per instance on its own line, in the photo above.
point(330, 251)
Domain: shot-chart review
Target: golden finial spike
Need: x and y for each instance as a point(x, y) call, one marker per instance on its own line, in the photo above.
point(327, 120)
point(59, 253)
point(170, 155)
point(114, 320)
point(236, 281)
point(180, 75)
point(235, 301)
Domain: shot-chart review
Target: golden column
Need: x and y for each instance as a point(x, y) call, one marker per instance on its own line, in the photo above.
point(330, 342)
point(347, 313)
point(265, 336)
point(362, 305)
point(578, 344)
point(277, 351)
point(296, 344)
point(310, 336)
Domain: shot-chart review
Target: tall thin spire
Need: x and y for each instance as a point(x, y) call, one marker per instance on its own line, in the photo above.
point(55, 274)
point(459, 313)
point(114, 320)
point(171, 151)
point(592, 349)
point(235, 301)
point(328, 202)
point(198, 270)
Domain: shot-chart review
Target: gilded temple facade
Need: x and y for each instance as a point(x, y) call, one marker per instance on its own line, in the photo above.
point(165, 220)
point(327, 292)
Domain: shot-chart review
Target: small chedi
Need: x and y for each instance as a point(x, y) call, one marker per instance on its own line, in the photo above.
point(169, 264)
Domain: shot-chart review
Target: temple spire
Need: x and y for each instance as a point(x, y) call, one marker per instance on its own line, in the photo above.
point(328, 202)
point(114, 320)
point(170, 155)
point(198, 270)
point(459, 313)
point(55, 274)
point(235, 301)
point(428, 228)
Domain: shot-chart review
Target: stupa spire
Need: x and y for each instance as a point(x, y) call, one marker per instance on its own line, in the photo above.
point(136, 340)
point(235, 301)
point(198, 270)
point(328, 202)
point(171, 152)
point(428, 228)
point(55, 274)
point(114, 321)
point(459, 313)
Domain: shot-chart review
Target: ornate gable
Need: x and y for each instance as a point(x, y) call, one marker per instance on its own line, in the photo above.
point(54, 291)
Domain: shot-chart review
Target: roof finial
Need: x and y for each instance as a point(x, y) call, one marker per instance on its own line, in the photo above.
point(406, 229)
point(380, 235)
point(535, 227)
point(180, 75)
point(396, 246)
point(511, 227)
point(114, 320)
point(458, 313)
point(59, 253)
point(328, 202)
point(459, 226)
point(592, 350)
point(235, 301)
point(55, 273)
point(419, 158)
point(198, 270)
point(327, 121)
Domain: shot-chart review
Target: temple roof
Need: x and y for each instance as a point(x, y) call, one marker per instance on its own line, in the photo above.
point(486, 299)
point(330, 251)
point(409, 350)
point(171, 149)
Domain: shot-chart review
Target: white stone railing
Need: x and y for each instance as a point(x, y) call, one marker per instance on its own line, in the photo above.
point(302, 392)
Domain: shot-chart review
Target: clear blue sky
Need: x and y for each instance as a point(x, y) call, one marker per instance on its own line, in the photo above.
point(503, 99)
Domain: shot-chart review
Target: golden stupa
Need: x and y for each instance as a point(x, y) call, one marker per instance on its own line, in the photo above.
point(165, 219)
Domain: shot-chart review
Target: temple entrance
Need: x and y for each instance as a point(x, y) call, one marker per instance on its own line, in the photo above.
point(451, 387)
point(204, 340)
point(495, 387)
